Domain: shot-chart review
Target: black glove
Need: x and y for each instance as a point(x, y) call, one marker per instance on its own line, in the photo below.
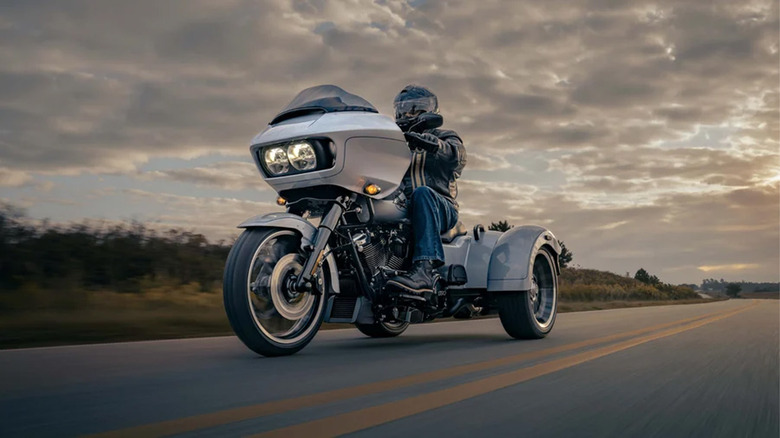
point(426, 142)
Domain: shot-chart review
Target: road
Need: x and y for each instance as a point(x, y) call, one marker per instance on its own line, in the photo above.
point(706, 370)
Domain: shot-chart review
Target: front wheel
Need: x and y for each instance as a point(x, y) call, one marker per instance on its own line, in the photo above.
point(531, 314)
point(264, 311)
point(383, 329)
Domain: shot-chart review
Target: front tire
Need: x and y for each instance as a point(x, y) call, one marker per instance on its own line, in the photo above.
point(264, 312)
point(383, 329)
point(531, 314)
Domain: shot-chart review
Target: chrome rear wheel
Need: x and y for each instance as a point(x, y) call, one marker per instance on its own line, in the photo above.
point(531, 314)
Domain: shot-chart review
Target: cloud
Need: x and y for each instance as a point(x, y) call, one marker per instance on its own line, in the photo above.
point(655, 169)
point(729, 268)
point(228, 175)
point(14, 178)
point(478, 161)
point(166, 81)
point(213, 216)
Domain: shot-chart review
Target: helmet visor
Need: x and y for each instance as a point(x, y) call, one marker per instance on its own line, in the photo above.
point(410, 108)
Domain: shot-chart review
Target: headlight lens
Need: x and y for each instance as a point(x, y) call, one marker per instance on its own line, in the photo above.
point(276, 161)
point(302, 156)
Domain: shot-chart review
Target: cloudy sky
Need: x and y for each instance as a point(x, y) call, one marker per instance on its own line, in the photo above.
point(643, 134)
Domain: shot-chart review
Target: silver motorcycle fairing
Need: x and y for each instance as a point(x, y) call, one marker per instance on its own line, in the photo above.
point(513, 256)
point(369, 148)
point(307, 231)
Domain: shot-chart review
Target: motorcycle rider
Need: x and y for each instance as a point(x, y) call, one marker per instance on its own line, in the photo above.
point(430, 185)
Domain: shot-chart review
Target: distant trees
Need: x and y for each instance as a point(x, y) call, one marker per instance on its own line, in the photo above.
point(713, 285)
point(733, 290)
point(645, 277)
point(500, 226)
point(565, 257)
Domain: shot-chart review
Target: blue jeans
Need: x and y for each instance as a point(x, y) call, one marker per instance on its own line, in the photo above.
point(431, 215)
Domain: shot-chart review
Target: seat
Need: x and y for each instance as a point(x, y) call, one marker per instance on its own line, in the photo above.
point(458, 230)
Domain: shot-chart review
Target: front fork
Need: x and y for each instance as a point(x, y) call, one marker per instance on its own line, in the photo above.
point(324, 231)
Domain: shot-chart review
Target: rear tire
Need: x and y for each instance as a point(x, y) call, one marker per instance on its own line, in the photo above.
point(531, 314)
point(266, 315)
point(383, 329)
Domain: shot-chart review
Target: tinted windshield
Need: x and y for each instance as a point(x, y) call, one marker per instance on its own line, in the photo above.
point(324, 98)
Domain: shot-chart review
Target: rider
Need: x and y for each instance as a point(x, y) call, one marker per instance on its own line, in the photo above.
point(438, 160)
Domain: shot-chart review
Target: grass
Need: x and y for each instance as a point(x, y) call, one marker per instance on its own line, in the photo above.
point(36, 318)
point(760, 295)
point(32, 317)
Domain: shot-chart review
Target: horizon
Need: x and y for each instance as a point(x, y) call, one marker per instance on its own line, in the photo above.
point(644, 135)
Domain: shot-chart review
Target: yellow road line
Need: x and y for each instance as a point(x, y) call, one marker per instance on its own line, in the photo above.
point(188, 424)
point(376, 415)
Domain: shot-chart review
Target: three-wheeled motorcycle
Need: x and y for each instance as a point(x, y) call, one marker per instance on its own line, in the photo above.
point(337, 165)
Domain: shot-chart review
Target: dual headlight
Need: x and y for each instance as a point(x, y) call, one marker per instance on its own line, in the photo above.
point(301, 156)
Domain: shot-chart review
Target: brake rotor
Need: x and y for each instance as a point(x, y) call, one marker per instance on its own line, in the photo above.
point(290, 304)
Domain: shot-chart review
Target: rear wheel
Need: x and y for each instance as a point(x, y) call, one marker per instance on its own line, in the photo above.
point(383, 329)
point(265, 312)
point(531, 314)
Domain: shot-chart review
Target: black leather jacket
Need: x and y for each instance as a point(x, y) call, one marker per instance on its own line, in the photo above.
point(440, 169)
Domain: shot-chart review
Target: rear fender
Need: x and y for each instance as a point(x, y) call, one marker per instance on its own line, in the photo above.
point(304, 228)
point(513, 257)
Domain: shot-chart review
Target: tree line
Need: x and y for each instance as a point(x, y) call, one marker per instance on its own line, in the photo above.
point(122, 258)
point(713, 285)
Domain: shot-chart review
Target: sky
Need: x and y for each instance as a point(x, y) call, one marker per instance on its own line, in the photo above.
point(643, 134)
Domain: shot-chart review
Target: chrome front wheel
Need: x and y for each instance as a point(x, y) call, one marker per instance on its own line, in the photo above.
point(267, 313)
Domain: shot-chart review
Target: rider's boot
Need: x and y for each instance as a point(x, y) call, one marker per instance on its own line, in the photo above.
point(418, 281)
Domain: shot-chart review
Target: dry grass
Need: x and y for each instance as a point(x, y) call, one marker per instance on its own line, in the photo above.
point(760, 295)
point(45, 318)
point(592, 285)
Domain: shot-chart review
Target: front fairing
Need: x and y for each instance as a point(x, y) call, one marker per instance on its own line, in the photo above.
point(368, 148)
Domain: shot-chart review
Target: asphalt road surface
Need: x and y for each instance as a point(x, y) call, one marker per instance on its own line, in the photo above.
point(705, 370)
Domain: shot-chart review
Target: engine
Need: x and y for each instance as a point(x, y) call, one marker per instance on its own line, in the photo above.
point(385, 247)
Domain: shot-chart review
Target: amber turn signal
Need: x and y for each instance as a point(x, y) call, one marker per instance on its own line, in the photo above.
point(372, 189)
point(281, 201)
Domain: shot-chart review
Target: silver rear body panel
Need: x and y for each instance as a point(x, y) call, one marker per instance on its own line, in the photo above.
point(501, 261)
point(474, 255)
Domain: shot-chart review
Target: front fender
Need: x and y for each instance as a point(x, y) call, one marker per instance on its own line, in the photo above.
point(303, 227)
point(513, 257)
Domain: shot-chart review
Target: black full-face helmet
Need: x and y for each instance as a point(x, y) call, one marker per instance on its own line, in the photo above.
point(412, 101)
